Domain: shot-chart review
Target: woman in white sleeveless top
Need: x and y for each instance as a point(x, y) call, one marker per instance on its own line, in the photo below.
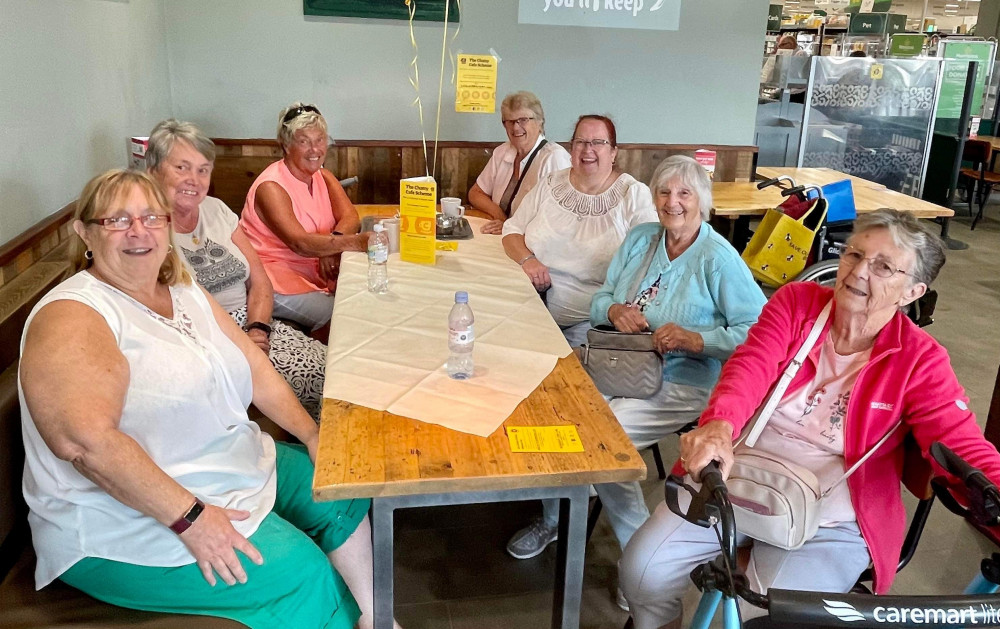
point(147, 483)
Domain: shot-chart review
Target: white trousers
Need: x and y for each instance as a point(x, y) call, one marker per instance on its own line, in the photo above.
point(645, 422)
point(654, 572)
point(312, 310)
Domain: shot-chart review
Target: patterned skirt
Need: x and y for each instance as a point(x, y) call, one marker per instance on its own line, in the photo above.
point(299, 359)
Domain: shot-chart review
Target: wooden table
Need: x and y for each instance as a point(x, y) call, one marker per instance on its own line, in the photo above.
point(402, 463)
point(815, 176)
point(735, 199)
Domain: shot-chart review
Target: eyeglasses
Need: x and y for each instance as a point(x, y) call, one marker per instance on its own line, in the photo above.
point(521, 122)
point(122, 223)
point(295, 112)
point(878, 265)
point(595, 143)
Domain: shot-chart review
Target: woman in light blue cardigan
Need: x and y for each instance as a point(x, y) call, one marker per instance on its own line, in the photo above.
point(697, 297)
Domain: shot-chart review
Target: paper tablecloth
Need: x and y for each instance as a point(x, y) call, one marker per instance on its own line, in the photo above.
point(388, 352)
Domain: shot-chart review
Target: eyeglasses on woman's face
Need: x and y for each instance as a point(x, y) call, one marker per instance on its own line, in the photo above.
point(124, 222)
point(521, 122)
point(596, 143)
point(879, 266)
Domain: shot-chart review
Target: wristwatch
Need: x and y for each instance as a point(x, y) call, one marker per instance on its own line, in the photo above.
point(258, 325)
point(184, 522)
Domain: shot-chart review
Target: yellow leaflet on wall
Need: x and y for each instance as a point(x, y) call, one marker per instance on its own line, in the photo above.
point(544, 439)
point(417, 226)
point(476, 84)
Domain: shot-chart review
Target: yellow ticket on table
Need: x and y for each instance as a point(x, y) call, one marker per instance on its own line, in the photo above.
point(544, 439)
point(444, 245)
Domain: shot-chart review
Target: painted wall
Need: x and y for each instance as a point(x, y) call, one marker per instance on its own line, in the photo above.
point(78, 77)
point(235, 63)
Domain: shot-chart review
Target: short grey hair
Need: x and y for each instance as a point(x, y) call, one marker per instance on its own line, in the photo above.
point(527, 100)
point(909, 234)
point(167, 132)
point(305, 120)
point(691, 174)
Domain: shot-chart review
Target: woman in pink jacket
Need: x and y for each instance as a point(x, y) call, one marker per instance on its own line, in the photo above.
point(870, 369)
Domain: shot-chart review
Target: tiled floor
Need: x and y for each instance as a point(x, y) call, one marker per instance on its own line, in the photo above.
point(452, 571)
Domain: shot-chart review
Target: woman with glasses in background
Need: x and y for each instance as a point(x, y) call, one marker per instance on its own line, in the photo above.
point(299, 219)
point(518, 163)
point(564, 236)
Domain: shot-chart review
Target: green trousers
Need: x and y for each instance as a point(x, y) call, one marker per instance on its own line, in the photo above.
point(296, 586)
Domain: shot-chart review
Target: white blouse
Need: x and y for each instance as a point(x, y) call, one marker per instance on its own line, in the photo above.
point(496, 175)
point(575, 235)
point(188, 391)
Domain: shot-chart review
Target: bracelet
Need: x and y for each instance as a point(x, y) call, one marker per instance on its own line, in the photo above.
point(530, 256)
point(184, 522)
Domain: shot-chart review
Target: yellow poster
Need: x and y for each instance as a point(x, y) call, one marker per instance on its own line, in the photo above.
point(417, 226)
point(544, 439)
point(476, 84)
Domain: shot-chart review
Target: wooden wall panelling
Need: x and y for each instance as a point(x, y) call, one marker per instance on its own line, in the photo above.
point(233, 176)
point(380, 165)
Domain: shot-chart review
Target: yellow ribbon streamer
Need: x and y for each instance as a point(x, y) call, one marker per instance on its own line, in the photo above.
point(415, 82)
point(444, 48)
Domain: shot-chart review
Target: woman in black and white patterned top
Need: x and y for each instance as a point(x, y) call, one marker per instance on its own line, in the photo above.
point(208, 235)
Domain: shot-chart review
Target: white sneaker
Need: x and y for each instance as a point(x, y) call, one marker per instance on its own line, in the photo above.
point(532, 540)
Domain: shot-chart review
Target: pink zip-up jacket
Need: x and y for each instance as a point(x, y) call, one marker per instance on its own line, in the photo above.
point(908, 376)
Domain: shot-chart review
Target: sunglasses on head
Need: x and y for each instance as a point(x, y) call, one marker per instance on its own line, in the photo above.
point(295, 112)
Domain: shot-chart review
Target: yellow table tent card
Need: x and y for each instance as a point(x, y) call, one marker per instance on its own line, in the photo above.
point(544, 439)
point(417, 220)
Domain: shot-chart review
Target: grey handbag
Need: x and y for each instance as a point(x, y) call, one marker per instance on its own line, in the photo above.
point(622, 364)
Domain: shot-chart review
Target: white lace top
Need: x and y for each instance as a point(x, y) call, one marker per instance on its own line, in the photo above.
point(189, 388)
point(577, 234)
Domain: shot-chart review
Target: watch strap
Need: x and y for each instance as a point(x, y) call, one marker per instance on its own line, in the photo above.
point(184, 522)
point(258, 325)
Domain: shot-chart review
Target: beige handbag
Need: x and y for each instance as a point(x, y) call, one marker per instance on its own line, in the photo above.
point(622, 364)
point(774, 500)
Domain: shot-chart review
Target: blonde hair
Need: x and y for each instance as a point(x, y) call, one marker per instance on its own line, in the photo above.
point(305, 120)
point(105, 191)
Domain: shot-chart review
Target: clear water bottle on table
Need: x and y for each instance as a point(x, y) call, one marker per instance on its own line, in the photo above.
point(378, 261)
point(461, 338)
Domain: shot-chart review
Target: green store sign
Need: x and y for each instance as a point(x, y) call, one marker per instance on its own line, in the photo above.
point(953, 83)
point(774, 17)
point(906, 44)
point(876, 23)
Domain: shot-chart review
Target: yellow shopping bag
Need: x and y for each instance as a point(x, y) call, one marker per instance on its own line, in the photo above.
point(780, 247)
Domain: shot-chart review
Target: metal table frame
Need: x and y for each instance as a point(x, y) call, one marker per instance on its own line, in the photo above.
point(570, 547)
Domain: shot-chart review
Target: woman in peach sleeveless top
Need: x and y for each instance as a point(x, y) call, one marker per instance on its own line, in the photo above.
point(299, 220)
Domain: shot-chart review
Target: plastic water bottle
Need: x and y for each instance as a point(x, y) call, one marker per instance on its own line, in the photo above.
point(461, 337)
point(378, 257)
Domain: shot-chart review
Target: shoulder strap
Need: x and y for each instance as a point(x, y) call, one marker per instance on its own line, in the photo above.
point(524, 171)
point(640, 273)
point(786, 377)
point(870, 452)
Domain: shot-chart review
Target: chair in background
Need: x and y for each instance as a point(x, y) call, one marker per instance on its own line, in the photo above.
point(979, 178)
